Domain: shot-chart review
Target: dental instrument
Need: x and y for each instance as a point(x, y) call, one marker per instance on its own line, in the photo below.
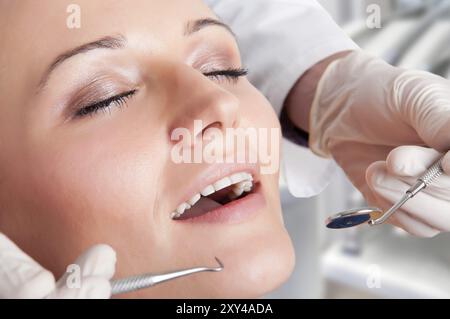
point(375, 216)
point(133, 283)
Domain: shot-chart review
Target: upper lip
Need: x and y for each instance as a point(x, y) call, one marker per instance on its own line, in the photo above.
point(214, 173)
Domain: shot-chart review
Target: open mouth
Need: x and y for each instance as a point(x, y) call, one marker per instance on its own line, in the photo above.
point(216, 195)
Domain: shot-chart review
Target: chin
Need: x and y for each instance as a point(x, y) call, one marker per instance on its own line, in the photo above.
point(254, 266)
point(256, 261)
point(260, 268)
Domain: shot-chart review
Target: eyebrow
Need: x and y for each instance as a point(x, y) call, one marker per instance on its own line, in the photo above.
point(119, 41)
point(195, 26)
point(109, 42)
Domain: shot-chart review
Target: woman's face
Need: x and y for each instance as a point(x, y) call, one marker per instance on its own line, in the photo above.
point(86, 148)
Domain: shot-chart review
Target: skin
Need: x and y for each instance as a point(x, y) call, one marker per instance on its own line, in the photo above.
point(67, 183)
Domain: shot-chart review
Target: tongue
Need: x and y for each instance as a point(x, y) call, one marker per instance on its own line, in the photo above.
point(203, 206)
point(221, 196)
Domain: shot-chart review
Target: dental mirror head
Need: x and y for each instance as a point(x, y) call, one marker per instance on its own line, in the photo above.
point(353, 217)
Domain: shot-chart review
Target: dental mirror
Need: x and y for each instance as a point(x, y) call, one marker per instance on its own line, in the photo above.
point(375, 216)
point(353, 217)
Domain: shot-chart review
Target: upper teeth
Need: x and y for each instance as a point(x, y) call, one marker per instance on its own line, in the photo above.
point(242, 182)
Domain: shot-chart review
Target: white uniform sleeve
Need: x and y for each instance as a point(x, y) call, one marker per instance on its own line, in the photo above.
point(279, 40)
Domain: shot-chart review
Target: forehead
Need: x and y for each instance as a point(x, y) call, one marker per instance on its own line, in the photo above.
point(34, 32)
point(97, 13)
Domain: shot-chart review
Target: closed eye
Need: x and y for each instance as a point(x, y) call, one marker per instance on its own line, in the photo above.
point(117, 100)
point(232, 74)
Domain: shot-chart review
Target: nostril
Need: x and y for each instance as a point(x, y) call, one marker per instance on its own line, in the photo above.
point(216, 124)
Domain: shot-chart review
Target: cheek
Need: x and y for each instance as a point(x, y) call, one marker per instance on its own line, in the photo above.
point(258, 113)
point(105, 176)
point(256, 109)
point(99, 189)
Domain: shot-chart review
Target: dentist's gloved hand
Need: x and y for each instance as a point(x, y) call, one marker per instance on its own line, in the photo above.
point(22, 277)
point(364, 107)
point(426, 214)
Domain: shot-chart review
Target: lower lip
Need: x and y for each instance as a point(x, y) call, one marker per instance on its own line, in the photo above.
point(234, 212)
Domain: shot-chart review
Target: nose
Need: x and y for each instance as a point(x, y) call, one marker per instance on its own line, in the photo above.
point(199, 103)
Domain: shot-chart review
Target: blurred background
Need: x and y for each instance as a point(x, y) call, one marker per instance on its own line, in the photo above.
point(376, 262)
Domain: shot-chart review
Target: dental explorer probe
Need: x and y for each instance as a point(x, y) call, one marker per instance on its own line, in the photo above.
point(133, 283)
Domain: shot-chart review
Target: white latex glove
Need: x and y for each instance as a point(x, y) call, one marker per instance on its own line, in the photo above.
point(22, 277)
point(426, 214)
point(364, 108)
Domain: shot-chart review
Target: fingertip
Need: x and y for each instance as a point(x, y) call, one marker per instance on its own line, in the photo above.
point(375, 173)
point(446, 163)
point(105, 251)
point(99, 260)
point(410, 160)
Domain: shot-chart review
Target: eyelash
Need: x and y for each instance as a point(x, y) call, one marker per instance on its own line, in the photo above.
point(119, 100)
point(232, 75)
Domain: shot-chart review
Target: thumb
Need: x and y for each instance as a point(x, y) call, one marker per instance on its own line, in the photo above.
point(446, 163)
point(97, 261)
point(410, 161)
